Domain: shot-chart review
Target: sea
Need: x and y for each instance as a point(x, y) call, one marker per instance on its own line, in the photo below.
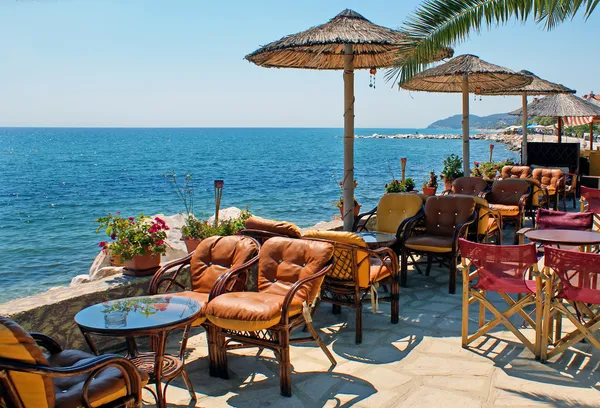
point(57, 181)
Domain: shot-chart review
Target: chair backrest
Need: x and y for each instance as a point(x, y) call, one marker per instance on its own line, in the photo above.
point(469, 186)
point(444, 213)
point(498, 263)
point(509, 172)
point(483, 213)
point(578, 272)
point(285, 261)
point(592, 196)
point(216, 255)
point(508, 192)
point(549, 178)
point(351, 260)
point(549, 219)
point(394, 208)
point(35, 391)
point(263, 229)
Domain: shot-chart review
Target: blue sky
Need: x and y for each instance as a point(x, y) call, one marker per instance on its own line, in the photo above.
point(180, 63)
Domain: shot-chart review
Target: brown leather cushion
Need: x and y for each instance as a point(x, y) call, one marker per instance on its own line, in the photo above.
point(201, 298)
point(468, 185)
point(516, 172)
point(548, 178)
point(284, 261)
point(506, 210)
point(378, 270)
point(216, 255)
point(249, 311)
point(444, 213)
point(106, 387)
point(276, 227)
point(428, 243)
point(508, 191)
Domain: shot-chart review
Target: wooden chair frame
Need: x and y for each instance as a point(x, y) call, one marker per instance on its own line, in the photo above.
point(471, 295)
point(518, 219)
point(342, 290)
point(275, 338)
point(585, 207)
point(91, 368)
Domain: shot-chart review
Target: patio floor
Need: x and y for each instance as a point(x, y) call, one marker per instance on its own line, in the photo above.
point(417, 362)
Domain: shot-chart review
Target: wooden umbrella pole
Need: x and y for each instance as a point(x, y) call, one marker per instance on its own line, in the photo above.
point(591, 135)
point(524, 143)
point(465, 124)
point(560, 126)
point(348, 184)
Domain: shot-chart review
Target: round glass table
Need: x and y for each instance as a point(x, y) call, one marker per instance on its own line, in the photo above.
point(152, 316)
point(376, 240)
point(563, 237)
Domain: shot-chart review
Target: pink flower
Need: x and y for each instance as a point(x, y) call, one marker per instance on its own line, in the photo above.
point(476, 164)
point(160, 221)
point(102, 244)
point(160, 242)
point(131, 218)
point(118, 213)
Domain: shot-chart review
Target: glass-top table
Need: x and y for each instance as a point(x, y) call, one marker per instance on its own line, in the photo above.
point(376, 240)
point(152, 316)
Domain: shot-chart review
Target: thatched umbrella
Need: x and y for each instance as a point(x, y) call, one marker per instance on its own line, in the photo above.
point(347, 42)
point(560, 106)
point(466, 74)
point(538, 86)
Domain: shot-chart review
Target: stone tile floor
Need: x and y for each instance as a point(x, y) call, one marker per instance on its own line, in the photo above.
point(416, 363)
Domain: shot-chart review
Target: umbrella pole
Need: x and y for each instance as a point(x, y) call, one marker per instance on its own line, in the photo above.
point(560, 126)
point(348, 183)
point(524, 144)
point(465, 124)
point(592, 135)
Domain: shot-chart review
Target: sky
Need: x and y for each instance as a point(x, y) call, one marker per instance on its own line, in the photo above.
point(179, 63)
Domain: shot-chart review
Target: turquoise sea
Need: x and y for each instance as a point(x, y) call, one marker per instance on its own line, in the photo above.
point(55, 182)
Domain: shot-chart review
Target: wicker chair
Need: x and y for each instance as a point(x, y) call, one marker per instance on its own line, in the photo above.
point(62, 378)
point(290, 274)
point(358, 272)
point(509, 197)
point(520, 172)
point(445, 220)
point(214, 257)
point(262, 229)
point(471, 186)
point(568, 188)
point(552, 182)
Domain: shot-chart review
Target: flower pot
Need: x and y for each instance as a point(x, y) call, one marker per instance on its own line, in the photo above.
point(430, 191)
point(115, 260)
point(356, 210)
point(142, 265)
point(447, 184)
point(191, 244)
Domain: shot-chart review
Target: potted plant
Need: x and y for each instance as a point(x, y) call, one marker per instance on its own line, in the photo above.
point(395, 186)
point(191, 231)
point(139, 241)
point(409, 183)
point(430, 185)
point(489, 170)
point(452, 170)
point(476, 171)
point(340, 203)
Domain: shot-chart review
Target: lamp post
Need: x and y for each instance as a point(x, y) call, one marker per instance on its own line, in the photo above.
point(218, 193)
point(403, 166)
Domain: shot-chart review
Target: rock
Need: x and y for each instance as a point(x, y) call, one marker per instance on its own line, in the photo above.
point(79, 279)
point(102, 260)
point(226, 214)
point(175, 246)
point(105, 272)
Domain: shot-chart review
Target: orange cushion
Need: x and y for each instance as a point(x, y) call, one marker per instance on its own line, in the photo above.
point(277, 227)
point(506, 210)
point(201, 298)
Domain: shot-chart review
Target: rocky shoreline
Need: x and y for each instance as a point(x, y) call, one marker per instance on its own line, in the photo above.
point(513, 142)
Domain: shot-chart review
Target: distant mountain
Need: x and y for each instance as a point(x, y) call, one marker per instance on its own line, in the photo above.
point(496, 121)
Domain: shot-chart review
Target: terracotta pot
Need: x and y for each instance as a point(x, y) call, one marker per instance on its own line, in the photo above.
point(115, 260)
point(430, 191)
point(142, 265)
point(191, 244)
point(356, 209)
point(448, 184)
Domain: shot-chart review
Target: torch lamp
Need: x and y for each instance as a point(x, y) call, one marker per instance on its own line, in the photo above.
point(218, 193)
point(403, 167)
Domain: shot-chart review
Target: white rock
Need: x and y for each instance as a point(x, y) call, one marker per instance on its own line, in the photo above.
point(79, 279)
point(175, 246)
point(102, 260)
point(105, 272)
point(226, 214)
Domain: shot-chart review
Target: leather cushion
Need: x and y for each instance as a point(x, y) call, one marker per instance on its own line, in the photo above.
point(548, 219)
point(428, 243)
point(276, 227)
point(201, 298)
point(284, 261)
point(16, 344)
point(548, 177)
point(506, 210)
point(106, 387)
point(516, 172)
point(508, 191)
point(468, 185)
point(393, 208)
point(248, 311)
point(216, 255)
point(444, 213)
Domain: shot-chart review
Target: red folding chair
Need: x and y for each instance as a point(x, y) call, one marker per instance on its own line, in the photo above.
point(590, 202)
point(573, 290)
point(501, 269)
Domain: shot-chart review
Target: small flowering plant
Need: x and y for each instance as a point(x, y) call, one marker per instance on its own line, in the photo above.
point(133, 236)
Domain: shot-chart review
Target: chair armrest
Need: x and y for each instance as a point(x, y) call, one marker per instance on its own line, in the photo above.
point(46, 342)
point(368, 214)
point(297, 286)
point(447, 192)
point(523, 200)
point(410, 224)
point(161, 275)
point(523, 231)
point(461, 230)
point(230, 279)
point(405, 223)
point(384, 253)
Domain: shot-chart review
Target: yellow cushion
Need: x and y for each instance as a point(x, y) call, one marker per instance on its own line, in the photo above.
point(342, 268)
point(506, 210)
point(486, 223)
point(394, 208)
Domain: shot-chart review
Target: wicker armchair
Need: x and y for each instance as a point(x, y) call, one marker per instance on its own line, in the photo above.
point(568, 188)
point(552, 181)
point(213, 258)
point(471, 186)
point(262, 229)
point(445, 220)
point(509, 197)
point(63, 378)
point(357, 272)
point(290, 274)
point(522, 172)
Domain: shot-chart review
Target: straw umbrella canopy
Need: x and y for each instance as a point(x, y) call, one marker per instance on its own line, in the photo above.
point(560, 106)
point(466, 74)
point(347, 42)
point(538, 86)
